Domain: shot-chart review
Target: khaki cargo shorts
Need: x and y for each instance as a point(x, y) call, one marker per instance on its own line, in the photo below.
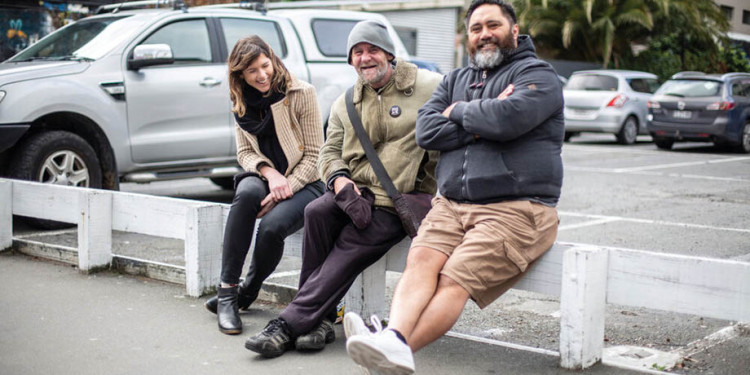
point(489, 246)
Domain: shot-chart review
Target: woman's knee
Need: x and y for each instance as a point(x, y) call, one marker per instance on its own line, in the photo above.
point(272, 229)
point(251, 190)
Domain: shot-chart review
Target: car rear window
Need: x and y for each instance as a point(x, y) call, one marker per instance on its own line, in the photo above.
point(331, 36)
point(690, 88)
point(592, 82)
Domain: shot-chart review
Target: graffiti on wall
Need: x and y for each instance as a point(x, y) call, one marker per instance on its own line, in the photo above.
point(19, 28)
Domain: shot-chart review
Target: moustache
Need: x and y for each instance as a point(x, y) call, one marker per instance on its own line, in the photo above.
point(485, 42)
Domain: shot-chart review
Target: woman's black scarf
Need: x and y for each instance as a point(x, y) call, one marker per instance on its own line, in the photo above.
point(257, 116)
point(258, 121)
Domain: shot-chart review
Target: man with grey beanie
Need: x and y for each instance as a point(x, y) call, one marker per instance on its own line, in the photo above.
point(354, 223)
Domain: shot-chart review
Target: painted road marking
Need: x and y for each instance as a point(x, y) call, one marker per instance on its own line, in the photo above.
point(649, 173)
point(600, 219)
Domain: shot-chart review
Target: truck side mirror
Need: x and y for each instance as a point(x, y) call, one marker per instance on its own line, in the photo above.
point(150, 54)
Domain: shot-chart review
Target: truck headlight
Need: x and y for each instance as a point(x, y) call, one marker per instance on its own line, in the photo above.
point(2, 95)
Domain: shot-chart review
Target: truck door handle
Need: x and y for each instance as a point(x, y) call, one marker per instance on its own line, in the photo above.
point(209, 82)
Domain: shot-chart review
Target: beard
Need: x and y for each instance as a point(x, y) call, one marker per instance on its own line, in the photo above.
point(380, 72)
point(488, 59)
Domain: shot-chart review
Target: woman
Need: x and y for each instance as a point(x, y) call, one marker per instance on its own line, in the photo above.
point(279, 134)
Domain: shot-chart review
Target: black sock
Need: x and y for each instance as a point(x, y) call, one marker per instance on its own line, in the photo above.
point(399, 335)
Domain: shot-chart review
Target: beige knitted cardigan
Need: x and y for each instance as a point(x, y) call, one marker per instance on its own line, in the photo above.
point(300, 131)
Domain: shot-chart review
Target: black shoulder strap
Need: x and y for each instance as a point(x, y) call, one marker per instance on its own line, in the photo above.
point(372, 156)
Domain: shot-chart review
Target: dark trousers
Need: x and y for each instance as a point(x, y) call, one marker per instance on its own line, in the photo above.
point(334, 252)
point(284, 219)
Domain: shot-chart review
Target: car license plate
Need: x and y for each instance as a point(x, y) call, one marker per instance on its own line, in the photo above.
point(682, 114)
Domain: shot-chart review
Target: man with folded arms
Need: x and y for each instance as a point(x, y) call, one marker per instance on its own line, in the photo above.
point(498, 125)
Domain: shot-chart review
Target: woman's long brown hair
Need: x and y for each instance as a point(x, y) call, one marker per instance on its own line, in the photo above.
point(244, 53)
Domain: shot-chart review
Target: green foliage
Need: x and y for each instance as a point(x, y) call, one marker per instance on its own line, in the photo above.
point(663, 58)
point(679, 34)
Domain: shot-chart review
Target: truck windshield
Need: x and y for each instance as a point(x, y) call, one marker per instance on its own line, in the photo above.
point(87, 39)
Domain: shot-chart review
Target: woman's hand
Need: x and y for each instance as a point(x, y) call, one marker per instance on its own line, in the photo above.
point(265, 206)
point(277, 184)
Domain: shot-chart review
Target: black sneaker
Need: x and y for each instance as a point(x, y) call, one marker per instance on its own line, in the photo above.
point(317, 338)
point(273, 341)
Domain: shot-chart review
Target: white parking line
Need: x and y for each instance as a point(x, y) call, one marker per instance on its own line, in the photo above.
point(610, 150)
point(649, 173)
point(604, 219)
point(587, 223)
point(677, 165)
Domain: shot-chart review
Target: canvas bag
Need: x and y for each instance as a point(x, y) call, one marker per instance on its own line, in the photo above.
point(411, 207)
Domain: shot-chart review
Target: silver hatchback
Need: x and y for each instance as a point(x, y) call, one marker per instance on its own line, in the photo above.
point(608, 101)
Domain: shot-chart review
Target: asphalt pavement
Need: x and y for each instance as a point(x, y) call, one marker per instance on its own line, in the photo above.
point(56, 320)
point(691, 201)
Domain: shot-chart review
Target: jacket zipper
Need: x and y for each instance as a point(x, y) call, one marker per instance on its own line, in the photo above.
point(478, 89)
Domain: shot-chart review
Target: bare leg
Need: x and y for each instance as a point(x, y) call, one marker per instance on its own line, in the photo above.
point(416, 288)
point(440, 314)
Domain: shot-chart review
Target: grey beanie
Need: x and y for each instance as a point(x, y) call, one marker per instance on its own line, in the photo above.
point(372, 32)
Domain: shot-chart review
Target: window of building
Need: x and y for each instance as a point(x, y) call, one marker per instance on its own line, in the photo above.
point(408, 36)
point(746, 17)
point(728, 11)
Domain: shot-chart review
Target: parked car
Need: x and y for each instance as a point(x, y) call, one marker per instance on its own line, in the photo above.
point(428, 65)
point(693, 106)
point(142, 95)
point(608, 101)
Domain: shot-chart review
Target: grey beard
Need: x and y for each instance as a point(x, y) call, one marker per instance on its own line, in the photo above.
point(489, 60)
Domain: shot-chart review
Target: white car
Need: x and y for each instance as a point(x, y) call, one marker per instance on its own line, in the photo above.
point(608, 101)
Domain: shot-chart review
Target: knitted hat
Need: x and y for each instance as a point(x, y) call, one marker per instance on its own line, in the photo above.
point(372, 32)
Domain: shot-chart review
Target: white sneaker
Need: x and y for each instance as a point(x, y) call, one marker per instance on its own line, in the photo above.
point(354, 325)
point(383, 352)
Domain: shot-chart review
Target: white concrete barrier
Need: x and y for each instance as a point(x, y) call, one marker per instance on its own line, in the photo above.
point(584, 277)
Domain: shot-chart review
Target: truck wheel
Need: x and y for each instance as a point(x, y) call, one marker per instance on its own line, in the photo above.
point(226, 183)
point(56, 157)
point(629, 131)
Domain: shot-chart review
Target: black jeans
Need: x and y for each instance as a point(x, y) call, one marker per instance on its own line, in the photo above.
point(284, 219)
point(334, 252)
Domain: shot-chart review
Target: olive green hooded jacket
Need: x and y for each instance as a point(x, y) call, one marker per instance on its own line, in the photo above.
point(389, 116)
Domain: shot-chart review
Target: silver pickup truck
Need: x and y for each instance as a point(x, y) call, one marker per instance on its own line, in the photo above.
point(142, 95)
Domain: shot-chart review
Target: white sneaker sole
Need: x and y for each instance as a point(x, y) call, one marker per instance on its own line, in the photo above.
point(370, 357)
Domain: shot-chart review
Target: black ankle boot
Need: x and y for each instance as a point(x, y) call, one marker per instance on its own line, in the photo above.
point(228, 311)
point(246, 298)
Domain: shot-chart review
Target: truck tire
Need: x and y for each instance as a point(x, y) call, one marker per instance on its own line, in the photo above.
point(226, 183)
point(56, 157)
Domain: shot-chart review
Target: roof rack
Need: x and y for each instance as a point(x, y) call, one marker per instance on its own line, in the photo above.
point(259, 6)
point(114, 8)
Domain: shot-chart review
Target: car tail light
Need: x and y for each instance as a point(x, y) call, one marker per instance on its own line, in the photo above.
point(653, 105)
point(721, 106)
point(618, 101)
